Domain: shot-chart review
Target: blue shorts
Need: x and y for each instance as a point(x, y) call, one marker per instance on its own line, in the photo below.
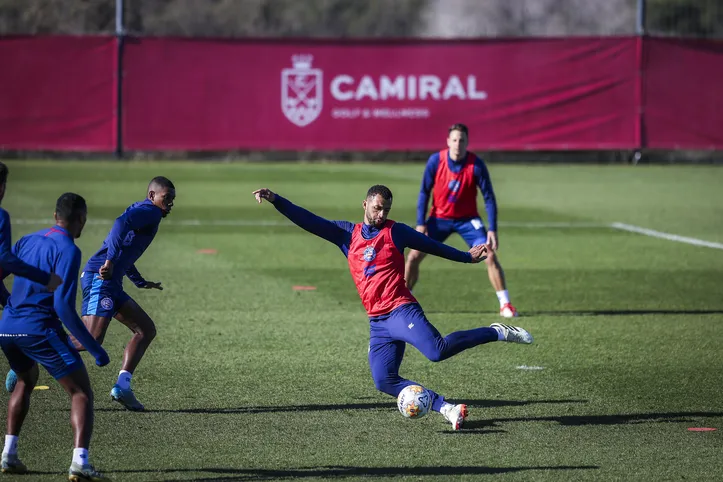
point(53, 351)
point(101, 297)
point(472, 230)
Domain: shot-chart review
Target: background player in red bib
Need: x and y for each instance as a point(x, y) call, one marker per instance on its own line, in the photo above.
point(452, 176)
point(375, 252)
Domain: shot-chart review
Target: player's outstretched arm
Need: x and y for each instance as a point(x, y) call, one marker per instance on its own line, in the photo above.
point(329, 230)
point(64, 305)
point(409, 238)
point(11, 264)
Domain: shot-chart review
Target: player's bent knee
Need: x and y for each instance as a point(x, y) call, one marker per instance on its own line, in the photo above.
point(149, 332)
point(30, 377)
point(435, 356)
point(85, 398)
point(491, 258)
point(23, 387)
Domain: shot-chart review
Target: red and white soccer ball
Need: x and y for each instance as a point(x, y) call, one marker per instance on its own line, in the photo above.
point(414, 401)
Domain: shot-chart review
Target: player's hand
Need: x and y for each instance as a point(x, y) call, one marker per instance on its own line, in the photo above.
point(422, 228)
point(106, 271)
point(152, 285)
point(54, 282)
point(102, 359)
point(263, 193)
point(479, 253)
point(492, 240)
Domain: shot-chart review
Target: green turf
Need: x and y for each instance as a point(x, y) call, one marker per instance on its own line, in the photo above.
point(249, 380)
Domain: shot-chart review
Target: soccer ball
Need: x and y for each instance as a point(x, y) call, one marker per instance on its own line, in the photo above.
point(414, 401)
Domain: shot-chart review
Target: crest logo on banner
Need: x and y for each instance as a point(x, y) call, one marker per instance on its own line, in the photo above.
point(301, 91)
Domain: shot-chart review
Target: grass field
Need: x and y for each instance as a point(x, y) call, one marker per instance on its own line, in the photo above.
point(251, 380)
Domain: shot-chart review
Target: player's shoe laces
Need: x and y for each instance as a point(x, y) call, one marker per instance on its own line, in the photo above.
point(79, 473)
point(11, 464)
point(508, 311)
point(514, 334)
point(456, 415)
point(127, 398)
point(10, 381)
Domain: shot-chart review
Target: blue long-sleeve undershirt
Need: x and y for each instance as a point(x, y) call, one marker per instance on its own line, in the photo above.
point(339, 233)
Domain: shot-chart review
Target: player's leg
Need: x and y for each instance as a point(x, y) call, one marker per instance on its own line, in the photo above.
point(63, 362)
point(144, 331)
point(385, 358)
point(474, 233)
point(384, 362)
point(26, 373)
point(98, 306)
point(409, 324)
point(497, 278)
point(438, 230)
point(19, 402)
point(77, 386)
point(97, 326)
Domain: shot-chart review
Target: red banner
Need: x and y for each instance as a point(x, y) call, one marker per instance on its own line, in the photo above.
point(57, 93)
point(322, 95)
point(683, 104)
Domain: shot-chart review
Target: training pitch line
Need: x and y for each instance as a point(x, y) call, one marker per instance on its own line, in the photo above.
point(532, 225)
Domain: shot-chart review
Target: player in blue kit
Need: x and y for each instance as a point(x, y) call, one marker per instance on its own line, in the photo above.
point(452, 177)
point(31, 333)
point(11, 264)
point(102, 282)
point(374, 251)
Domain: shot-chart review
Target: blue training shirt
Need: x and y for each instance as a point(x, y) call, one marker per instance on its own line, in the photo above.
point(32, 309)
point(481, 175)
point(11, 264)
point(131, 234)
point(339, 233)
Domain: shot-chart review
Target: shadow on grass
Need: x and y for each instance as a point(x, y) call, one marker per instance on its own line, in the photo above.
point(341, 406)
point(574, 420)
point(528, 314)
point(625, 312)
point(340, 472)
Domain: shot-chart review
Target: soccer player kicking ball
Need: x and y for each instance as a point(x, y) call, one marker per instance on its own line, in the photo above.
point(452, 176)
point(374, 249)
point(31, 333)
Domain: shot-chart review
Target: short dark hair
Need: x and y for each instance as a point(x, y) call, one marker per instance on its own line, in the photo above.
point(161, 181)
point(459, 127)
point(3, 173)
point(69, 207)
point(383, 191)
